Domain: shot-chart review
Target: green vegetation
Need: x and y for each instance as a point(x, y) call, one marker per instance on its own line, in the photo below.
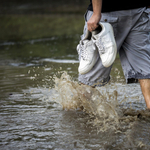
point(27, 27)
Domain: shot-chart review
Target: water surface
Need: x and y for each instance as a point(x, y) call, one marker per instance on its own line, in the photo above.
point(41, 108)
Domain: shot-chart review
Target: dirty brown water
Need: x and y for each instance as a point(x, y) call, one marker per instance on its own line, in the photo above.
point(42, 106)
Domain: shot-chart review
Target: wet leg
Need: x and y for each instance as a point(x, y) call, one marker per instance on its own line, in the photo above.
point(145, 87)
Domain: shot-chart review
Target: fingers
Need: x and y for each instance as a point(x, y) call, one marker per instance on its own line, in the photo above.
point(92, 26)
point(93, 23)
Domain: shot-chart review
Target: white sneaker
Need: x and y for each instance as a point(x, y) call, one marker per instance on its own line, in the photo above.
point(88, 52)
point(105, 42)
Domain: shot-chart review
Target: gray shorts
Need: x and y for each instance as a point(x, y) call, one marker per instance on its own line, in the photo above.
point(131, 30)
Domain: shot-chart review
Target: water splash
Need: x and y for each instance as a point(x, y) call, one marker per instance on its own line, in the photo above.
point(100, 105)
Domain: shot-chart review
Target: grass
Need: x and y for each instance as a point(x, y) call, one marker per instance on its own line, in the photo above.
point(27, 27)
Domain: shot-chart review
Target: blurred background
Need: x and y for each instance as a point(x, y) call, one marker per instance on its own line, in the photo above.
point(42, 6)
point(34, 33)
point(34, 19)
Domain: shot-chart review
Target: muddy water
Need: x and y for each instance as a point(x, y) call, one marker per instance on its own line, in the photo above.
point(42, 106)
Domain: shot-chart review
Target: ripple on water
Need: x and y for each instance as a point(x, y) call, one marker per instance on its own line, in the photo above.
point(112, 116)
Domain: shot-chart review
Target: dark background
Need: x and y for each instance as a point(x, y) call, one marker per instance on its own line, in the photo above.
point(42, 6)
point(37, 19)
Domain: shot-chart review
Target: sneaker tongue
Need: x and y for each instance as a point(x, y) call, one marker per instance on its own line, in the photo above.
point(95, 32)
point(85, 41)
point(94, 35)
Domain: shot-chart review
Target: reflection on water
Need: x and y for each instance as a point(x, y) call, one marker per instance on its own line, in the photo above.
point(41, 106)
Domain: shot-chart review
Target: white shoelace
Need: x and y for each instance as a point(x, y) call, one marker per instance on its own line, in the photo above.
point(100, 45)
point(84, 54)
point(79, 48)
point(83, 51)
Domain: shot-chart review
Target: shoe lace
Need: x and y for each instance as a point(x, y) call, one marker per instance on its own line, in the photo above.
point(100, 45)
point(80, 47)
point(83, 51)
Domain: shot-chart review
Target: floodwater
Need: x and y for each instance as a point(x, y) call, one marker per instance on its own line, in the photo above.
point(42, 106)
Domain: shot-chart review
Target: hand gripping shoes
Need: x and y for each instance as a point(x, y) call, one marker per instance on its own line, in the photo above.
point(103, 37)
point(88, 52)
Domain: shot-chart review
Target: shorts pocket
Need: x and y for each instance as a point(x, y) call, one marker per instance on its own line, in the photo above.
point(143, 23)
point(112, 20)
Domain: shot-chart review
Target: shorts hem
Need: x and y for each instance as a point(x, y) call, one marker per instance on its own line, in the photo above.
point(94, 84)
point(134, 79)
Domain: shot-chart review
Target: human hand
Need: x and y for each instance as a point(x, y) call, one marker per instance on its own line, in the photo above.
point(93, 22)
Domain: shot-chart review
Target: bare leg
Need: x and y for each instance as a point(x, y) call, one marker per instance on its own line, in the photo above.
point(145, 87)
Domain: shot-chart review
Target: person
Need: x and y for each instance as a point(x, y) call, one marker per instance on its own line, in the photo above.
point(131, 25)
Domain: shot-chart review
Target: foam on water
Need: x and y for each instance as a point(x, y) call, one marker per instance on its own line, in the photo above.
point(97, 102)
point(109, 107)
